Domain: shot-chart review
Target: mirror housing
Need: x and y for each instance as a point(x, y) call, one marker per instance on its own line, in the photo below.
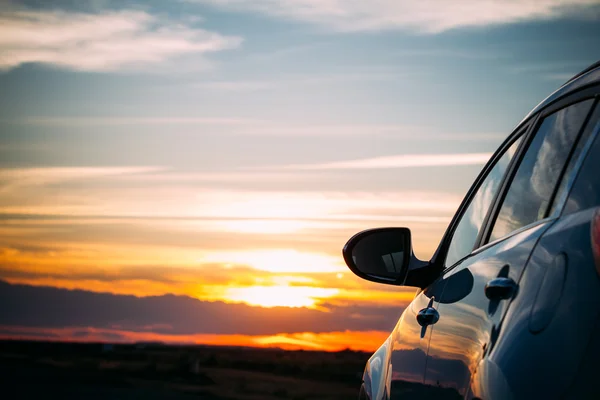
point(382, 255)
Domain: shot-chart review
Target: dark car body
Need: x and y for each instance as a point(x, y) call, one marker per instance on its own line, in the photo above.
point(509, 305)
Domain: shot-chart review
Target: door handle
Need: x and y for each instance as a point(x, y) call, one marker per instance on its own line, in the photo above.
point(428, 315)
point(500, 288)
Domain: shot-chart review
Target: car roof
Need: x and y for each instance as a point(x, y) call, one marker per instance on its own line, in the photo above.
point(587, 77)
point(585, 71)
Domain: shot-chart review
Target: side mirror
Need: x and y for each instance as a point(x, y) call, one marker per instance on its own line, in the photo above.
point(380, 255)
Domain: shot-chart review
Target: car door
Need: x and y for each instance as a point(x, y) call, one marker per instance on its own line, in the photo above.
point(470, 323)
point(406, 351)
point(403, 357)
point(548, 348)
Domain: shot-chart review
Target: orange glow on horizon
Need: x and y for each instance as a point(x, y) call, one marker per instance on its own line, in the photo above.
point(368, 341)
point(255, 295)
point(280, 296)
point(279, 260)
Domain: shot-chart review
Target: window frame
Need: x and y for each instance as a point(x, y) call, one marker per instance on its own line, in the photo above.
point(578, 163)
point(552, 210)
point(589, 94)
point(439, 256)
point(526, 129)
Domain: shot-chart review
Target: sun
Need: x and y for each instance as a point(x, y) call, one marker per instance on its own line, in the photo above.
point(280, 296)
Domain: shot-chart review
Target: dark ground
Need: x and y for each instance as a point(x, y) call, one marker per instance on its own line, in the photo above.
point(36, 370)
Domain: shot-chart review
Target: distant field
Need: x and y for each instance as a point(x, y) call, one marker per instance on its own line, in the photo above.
point(94, 371)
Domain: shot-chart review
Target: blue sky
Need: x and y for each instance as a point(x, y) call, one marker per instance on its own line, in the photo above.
point(237, 144)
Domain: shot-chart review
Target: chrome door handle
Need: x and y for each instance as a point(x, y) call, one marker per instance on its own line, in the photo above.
point(500, 289)
point(428, 315)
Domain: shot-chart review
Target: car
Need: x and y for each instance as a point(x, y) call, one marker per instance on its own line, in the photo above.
point(508, 307)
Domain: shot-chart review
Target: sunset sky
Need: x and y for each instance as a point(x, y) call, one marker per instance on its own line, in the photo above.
point(202, 162)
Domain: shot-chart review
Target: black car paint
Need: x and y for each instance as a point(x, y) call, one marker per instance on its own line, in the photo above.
point(537, 344)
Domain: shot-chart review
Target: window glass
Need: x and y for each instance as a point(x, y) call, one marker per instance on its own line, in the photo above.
point(580, 197)
point(465, 234)
point(586, 189)
point(530, 192)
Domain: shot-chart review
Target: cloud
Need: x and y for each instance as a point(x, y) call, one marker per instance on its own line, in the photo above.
point(14, 179)
point(413, 133)
point(551, 71)
point(116, 192)
point(48, 307)
point(548, 67)
point(100, 246)
point(328, 341)
point(103, 41)
point(282, 260)
point(445, 53)
point(269, 284)
point(109, 217)
point(302, 80)
point(121, 121)
point(426, 16)
point(407, 132)
point(399, 161)
point(57, 174)
point(562, 77)
point(253, 127)
point(237, 85)
point(356, 74)
point(270, 56)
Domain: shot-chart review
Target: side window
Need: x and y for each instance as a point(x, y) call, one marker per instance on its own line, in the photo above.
point(586, 189)
point(586, 162)
point(530, 192)
point(467, 229)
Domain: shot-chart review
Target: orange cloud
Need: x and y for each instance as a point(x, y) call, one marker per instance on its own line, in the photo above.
point(330, 341)
point(108, 230)
point(400, 161)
